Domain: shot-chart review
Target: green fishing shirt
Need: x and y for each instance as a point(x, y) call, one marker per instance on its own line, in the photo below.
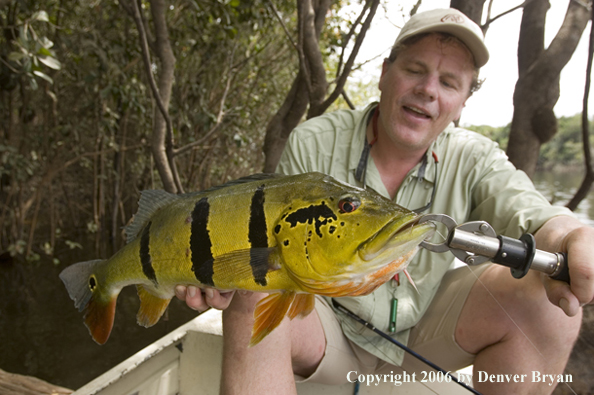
point(475, 182)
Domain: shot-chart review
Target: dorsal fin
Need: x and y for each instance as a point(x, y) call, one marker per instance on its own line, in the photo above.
point(153, 199)
point(150, 202)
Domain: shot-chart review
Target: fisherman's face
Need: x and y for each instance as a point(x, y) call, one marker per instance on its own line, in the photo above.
point(423, 90)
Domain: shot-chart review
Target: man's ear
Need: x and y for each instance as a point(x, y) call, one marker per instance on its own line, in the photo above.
point(459, 115)
point(385, 67)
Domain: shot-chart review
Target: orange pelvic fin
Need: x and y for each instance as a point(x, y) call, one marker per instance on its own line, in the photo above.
point(152, 307)
point(99, 316)
point(302, 305)
point(269, 313)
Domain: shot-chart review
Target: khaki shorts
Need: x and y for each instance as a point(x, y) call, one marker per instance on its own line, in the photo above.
point(432, 338)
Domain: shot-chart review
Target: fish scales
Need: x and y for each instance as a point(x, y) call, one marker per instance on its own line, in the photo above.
point(290, 236)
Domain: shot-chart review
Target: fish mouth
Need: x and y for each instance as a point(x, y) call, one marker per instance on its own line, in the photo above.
point(396, 238)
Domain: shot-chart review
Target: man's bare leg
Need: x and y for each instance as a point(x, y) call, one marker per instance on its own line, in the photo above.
point(267, 368)
point(514, 329)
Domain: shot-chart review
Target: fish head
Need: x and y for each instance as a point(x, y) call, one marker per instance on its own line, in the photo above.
point(339, 240)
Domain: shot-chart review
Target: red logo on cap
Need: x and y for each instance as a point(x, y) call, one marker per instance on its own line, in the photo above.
point(452, 18)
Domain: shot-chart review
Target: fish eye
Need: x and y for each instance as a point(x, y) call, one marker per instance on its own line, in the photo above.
point(92, 283)
point(348, 204)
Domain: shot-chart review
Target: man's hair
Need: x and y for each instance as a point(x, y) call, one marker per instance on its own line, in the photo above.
point(475, 84)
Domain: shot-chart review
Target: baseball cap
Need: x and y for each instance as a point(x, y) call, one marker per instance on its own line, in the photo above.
point(452, 21)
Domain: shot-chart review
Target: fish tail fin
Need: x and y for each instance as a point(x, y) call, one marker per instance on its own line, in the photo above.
point(152, 307)
point(98, 301)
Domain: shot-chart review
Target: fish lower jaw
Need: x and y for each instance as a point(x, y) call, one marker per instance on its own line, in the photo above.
point(358, 284)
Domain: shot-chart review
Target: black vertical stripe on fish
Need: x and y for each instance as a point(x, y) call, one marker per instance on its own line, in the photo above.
point(200, 244)
point(145, 254)
point(258, 235)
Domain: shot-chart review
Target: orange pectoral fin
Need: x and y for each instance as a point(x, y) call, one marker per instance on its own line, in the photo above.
point(269, 313)
point(151, 309)
point(99, 316)
point(302, 305)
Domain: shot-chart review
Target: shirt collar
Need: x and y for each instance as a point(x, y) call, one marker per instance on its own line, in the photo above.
point(426, 172)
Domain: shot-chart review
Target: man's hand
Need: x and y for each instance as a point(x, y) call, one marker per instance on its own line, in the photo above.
point(202, 299)
point(566, 234)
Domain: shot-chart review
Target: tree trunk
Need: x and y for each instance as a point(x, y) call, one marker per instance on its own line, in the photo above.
point(584, 189)
point(471, 8)
point(162, 144)
point(11, 383)
point(310, 85)
point(284, 121)
point(162, 138)
point(537, 88)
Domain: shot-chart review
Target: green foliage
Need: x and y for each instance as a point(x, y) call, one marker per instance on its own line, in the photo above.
point(75, 133)
point(565, 148)
point(27, 49)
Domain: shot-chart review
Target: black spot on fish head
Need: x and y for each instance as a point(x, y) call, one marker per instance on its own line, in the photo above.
point(286, 243)
point(277, 229)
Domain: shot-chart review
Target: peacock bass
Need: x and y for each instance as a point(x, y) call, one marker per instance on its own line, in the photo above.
point(290, 236)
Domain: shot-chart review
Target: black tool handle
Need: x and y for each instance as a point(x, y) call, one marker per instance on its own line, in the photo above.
point(563, 273)
point(521, 255)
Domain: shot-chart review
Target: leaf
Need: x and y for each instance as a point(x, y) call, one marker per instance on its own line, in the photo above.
point(40, 16)
point(16, 56)
point(44, 52)
point(33, 84)
point(53, 96)
point(44, 76)
point(46, 43)
point(50, 62)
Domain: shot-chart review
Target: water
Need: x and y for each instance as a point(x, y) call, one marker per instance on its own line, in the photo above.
point(559, 188)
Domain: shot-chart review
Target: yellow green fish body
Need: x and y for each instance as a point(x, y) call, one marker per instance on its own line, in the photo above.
point(291, 236)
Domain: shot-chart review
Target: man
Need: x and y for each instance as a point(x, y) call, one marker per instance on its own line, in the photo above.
point(483, 316)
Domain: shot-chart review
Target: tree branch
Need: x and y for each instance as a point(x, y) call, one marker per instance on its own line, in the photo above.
point(490, 20)
point(341, 81)
point(347, 38)
point(220, 115)
point(277, 15)
point(584, 188)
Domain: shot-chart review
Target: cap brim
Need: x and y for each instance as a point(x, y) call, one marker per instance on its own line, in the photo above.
point(474, 43)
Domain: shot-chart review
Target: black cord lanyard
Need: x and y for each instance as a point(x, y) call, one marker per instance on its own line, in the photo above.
point(360, 176)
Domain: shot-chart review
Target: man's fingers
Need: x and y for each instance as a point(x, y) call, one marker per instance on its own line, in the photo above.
point(202, 299)
point(218, 300)
point(560, 295)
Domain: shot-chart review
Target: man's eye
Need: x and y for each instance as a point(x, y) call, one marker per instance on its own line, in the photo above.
point(448, 84)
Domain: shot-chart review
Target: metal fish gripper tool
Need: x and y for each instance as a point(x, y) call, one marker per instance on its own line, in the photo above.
point(476, 242)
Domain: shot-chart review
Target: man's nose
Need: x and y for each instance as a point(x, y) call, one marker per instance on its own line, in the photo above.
point(428, 87)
